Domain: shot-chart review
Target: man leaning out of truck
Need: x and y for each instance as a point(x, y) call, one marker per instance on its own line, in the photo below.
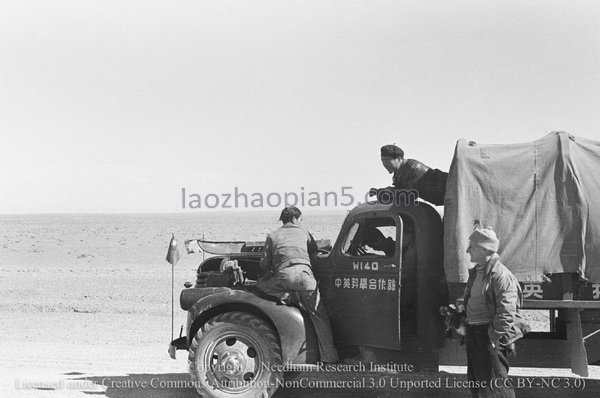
point(410, 174)
point(492, 298)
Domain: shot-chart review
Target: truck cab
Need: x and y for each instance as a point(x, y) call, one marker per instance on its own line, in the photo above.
point(383, 280)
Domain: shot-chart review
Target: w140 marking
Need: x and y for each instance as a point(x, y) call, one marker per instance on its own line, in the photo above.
point(365, 265)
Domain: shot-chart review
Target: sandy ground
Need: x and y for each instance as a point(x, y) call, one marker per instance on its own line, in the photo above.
point(103, 336)
point(87, 313)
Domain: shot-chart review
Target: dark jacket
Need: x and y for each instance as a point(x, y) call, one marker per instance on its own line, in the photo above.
point(504, 297)
point(429, 183)
point(409, 173)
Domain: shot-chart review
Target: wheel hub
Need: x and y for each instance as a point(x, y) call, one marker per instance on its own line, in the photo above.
point(234, 363)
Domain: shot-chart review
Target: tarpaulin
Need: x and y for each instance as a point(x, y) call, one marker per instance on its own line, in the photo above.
point(542, 198)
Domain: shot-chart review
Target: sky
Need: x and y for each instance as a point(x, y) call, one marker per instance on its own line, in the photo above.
point(116, 106)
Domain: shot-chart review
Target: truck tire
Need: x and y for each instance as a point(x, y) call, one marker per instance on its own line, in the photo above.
point(235, 354)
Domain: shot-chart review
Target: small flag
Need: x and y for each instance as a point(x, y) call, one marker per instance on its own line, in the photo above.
point(173, 253)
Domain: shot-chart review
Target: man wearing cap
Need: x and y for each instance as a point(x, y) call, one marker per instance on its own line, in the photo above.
point(492, 298)
point(409, 174)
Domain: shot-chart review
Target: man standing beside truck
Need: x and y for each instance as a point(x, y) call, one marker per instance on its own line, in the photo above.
point(410, 174)
point(492, 298)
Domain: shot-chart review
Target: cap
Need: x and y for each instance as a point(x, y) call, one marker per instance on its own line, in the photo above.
point(392, 151)
point(485, 238)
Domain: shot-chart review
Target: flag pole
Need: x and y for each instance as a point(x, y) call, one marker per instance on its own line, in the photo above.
point(172, 299)
point(172, 258)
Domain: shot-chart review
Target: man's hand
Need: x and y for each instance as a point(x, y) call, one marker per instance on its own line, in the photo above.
point(373, 192)
point(454, 319)
point(510, 349)
point(502, 345)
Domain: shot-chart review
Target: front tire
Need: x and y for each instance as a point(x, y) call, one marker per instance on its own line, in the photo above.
point(235, 354)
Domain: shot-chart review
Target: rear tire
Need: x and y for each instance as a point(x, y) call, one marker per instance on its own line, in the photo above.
point(235, 354)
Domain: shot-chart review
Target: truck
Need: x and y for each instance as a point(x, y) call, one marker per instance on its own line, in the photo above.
point(386, 304)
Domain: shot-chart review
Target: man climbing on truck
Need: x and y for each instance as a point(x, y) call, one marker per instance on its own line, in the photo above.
point(287, 275)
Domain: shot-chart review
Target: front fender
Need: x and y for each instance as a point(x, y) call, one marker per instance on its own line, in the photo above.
point(296, 333)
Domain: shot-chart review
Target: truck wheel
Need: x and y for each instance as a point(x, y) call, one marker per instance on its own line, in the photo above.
point(235, 354)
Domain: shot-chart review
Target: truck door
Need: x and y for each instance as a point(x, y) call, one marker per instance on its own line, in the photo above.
point(364, 292)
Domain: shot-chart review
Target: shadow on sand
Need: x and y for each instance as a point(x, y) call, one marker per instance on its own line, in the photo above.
point(166, 385)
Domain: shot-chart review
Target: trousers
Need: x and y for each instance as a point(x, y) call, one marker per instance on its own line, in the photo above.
point(298, 281)
point(487, 366)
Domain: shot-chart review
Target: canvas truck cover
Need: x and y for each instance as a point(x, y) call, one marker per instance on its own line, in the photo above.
point(542, 198)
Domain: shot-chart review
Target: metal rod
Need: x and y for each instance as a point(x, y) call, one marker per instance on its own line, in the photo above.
point(591, 334)
point(172, 299)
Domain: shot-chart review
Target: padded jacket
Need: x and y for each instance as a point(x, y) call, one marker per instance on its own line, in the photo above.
point(504, 297)
point(409, 174)
point(288, 245)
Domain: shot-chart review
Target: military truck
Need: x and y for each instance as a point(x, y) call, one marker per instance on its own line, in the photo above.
point(241, 341)
point(386, 303)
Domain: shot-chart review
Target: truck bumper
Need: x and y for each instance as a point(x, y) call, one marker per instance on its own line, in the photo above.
point(177, 344)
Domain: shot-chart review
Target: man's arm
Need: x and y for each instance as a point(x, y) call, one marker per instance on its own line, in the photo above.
point(506, 297)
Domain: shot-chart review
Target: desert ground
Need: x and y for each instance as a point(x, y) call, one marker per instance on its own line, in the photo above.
point(86, 311)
